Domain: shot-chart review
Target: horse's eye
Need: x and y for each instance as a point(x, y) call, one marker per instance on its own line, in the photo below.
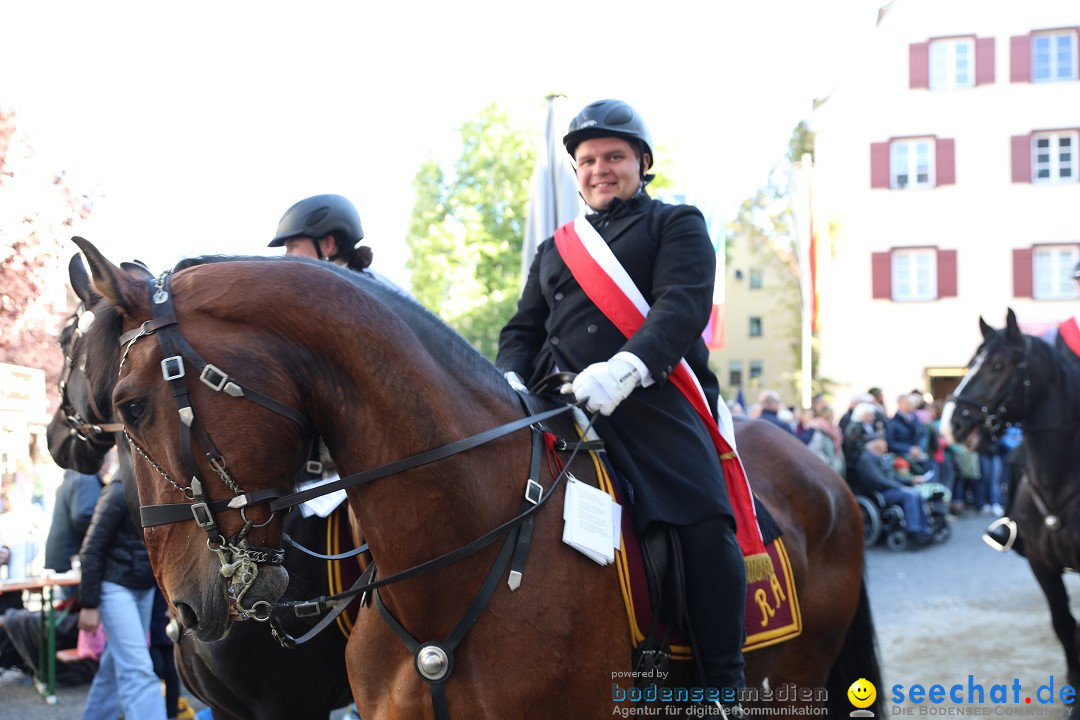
point(999, 366)
point(132, 411)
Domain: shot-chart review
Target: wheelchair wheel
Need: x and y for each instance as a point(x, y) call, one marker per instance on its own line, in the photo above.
point(897, 540)
point(943, 533)
point(871, 517)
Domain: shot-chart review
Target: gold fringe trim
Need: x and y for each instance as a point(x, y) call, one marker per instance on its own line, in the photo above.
point(759, 567)
point(728, 455)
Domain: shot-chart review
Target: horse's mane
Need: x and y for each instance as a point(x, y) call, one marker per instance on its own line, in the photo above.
point(99, 348)
point(1058, 369)
point(441, 340)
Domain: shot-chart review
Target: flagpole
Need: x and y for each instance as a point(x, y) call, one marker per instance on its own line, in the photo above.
point(804, 221)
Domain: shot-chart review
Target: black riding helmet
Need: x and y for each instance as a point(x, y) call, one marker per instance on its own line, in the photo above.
point(610, 118)
point(319, 216)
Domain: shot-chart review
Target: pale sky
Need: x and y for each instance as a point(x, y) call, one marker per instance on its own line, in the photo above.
point(202, 122)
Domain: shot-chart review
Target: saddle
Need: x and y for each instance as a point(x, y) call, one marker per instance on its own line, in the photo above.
point(653, 579)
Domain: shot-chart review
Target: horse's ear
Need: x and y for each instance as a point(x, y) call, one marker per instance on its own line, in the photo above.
point(987, 331)
point(123, 290)
point(1013, 328)
point(136, 266)
point(80, 281)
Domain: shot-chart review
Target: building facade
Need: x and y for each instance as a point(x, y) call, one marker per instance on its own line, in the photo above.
point(946, 188)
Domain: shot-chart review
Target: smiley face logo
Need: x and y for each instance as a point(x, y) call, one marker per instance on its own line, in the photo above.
point(862, 693)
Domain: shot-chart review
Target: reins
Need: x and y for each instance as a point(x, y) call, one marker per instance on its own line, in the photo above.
point(241, 561)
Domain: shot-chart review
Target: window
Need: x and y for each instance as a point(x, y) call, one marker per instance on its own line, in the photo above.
point(914, 275)
point(911, 164)
point(755, 327)
point(952, 63)
point(735, 373)
point(756, 279)
point(907, 163)
point(756, 371)
point(1053, 156)
point(1052, 270)
point(1053, 56)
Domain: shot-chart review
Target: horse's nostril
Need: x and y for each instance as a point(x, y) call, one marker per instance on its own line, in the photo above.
point(188, 618)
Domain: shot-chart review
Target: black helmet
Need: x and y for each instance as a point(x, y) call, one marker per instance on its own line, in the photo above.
point(608, 118)
point(319, 216)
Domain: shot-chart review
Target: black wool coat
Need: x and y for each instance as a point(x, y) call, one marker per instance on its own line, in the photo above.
point(655, 439)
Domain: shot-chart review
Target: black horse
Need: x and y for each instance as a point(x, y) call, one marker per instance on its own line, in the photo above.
point(1020, 379)
point(248, 675)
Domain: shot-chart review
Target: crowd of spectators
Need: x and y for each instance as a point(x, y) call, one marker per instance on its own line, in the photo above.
point(901, 454)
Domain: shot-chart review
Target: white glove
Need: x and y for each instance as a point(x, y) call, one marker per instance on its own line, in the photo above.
point(603, 385)
point(515, 381)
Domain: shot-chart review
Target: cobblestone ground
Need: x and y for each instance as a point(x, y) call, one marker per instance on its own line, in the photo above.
point(959, 609)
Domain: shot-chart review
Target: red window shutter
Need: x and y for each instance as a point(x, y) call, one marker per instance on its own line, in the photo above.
point(1022, 273)
point(945, 161)
point(919, 65)
point(1021, 158)
point(1020, 58)
point(881, 275)
point(946, 273)
point(984, 61)
point(879, 165)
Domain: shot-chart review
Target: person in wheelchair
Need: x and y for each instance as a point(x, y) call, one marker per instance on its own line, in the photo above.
point(874, 472)
point(907, 436)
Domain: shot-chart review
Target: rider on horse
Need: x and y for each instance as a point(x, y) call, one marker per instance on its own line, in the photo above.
point(658, 444)
point(331, 224)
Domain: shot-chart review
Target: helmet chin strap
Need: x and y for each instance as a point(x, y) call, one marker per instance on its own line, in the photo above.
point(318, 248)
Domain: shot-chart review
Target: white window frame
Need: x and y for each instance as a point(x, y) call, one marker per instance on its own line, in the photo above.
point(1052, 67)
point(1052, 272)
point(1059, 165)
point(911, 164)
point(914, 275)
point(952, 63)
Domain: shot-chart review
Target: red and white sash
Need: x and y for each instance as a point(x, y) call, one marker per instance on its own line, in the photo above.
point(612, 290)
point(1070, 333)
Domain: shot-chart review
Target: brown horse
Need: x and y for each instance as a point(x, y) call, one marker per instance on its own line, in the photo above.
point(235, 675)
point(381, 380)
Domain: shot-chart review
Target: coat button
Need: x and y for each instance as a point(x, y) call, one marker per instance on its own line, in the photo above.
point(592, 329)
point(554, 340)
point(558, 296)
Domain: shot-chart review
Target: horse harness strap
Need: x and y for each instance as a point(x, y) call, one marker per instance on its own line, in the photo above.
point(310, 609)
point(991, 418)
point(434, 661)
point(417, 460)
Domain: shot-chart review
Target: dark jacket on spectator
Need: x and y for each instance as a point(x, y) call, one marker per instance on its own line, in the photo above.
point(875, 472)
point(72, 511)
point(904, 433)
point(113, 549)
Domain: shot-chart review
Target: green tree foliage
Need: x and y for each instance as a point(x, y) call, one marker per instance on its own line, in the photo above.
point(766, 222)
point(467, 227)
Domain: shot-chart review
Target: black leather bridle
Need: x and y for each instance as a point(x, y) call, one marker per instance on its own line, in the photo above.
point(992, 415)
point(433, 660)
point(95, 430)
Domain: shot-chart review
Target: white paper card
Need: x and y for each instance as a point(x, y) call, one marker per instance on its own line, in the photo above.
point(590, 524)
